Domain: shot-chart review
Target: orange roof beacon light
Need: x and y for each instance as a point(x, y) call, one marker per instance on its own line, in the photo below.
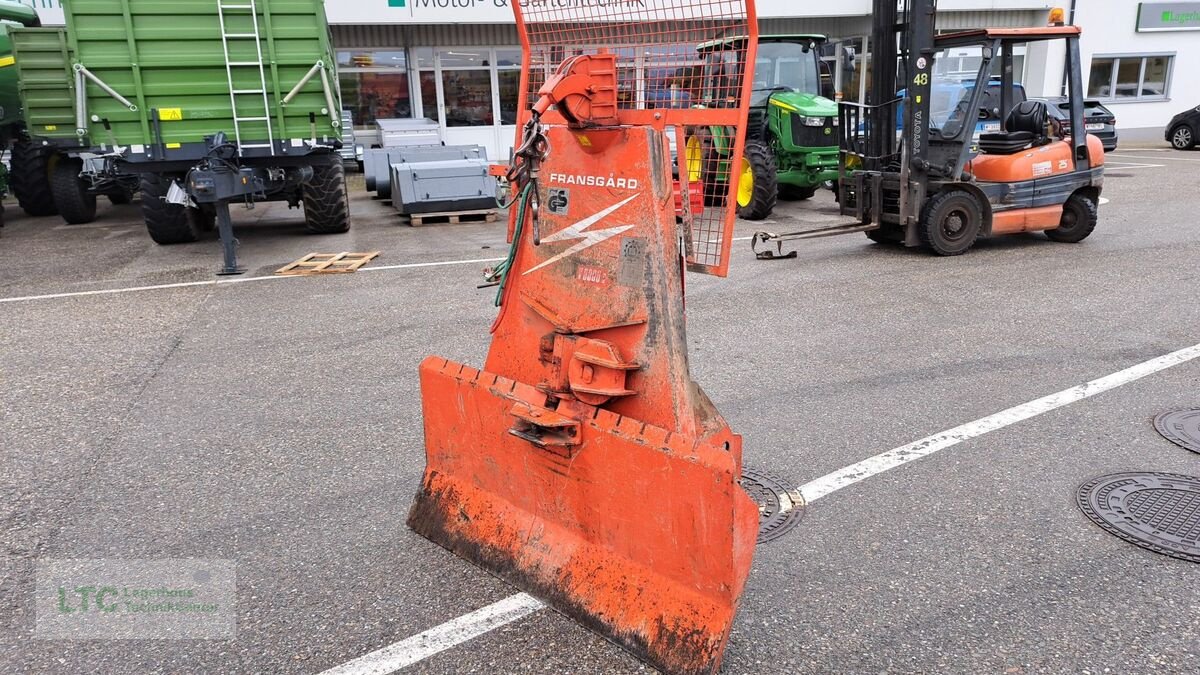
point(582, 463)
point(1058, 17)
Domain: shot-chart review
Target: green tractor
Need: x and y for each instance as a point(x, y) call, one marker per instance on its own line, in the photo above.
point(28, 177)
point(791, 144)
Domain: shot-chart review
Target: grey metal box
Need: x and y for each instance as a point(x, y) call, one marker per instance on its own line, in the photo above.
point(394, 133)
point(446, 185)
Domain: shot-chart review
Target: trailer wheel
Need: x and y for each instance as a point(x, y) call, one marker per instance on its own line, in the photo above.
point(119, 198)
point(167, 223)
point(951, 222)
point(327, 201)
point(30, 178)
point(757, 182)
point(75, 204)
point(1079, 218)
point(796, 193)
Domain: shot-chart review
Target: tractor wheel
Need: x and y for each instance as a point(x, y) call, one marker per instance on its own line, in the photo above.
point(703, 167)
point(75, 204)
point(30, 178)
point(1079, 217)
point(757, 187)
point(796, 193)
point(327, 201)
point(167, 223)
point(951, 222)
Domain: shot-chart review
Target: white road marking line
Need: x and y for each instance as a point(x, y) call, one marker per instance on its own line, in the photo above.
point(1127, 166)
point(438, 639)
point(1161, 158)
point(891, 459)
point(220, 282)
point(1104, 200)
point(470, 626)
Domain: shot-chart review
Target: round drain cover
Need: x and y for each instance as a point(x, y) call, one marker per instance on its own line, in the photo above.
point(780, 505)
point(1157, 511)
point(1181, 427)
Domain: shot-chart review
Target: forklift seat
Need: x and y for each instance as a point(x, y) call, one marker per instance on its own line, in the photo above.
point(1025, 127)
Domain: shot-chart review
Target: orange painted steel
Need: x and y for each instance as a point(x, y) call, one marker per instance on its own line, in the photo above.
point(1045, 161)
point(1027, 220)
point(582, 463)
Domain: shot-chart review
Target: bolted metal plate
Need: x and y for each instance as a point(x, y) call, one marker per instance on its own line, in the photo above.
point(1157, 511)
point(1181, 427)
point(780, 504)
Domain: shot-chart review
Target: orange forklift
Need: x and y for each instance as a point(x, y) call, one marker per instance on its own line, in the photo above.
point(917, 171)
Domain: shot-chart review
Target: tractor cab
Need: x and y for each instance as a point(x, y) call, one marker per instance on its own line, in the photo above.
point(791, 142)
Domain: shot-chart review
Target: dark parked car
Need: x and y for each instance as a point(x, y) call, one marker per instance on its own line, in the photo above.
point(1100, 121)
point(1184, 130)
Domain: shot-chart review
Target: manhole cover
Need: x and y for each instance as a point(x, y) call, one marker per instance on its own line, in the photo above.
point(1157, 511)
point(780, 504)
point(1181, 427)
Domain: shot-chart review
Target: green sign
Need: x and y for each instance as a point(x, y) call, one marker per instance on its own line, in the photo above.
point(395, 3)
point(1154, 17)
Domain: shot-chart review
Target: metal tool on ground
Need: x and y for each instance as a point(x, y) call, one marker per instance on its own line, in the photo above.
point(582, 463)
point(1159, 512)
point(256, 119)
point(908, 172)
point(792, 143)
point(327, 263)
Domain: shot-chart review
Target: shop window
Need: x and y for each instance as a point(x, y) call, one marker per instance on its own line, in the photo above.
point(429, 97)
point(468, 97)
point(1130, 78)
point(465, 57)
point(510, 94)
point(374, 84)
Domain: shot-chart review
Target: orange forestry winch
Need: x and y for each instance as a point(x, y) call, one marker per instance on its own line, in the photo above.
point(582, 463)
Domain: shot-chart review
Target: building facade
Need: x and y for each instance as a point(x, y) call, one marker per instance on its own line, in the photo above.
point(457, 62)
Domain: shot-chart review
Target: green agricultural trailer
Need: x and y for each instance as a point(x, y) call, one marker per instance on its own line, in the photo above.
point(206, 102)
point(28, 179)
point(791, 143)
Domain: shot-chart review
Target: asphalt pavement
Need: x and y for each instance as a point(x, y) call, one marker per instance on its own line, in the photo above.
point(277, 423)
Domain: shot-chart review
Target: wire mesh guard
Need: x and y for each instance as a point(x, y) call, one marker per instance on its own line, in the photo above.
point(683, 60)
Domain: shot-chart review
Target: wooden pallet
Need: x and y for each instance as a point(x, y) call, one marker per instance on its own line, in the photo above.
point(327, 263)
point(452, 217)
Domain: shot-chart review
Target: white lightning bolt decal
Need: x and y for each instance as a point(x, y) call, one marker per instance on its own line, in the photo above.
point(590, 239)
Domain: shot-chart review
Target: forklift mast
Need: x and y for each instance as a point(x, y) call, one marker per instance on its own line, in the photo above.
point(903, 50)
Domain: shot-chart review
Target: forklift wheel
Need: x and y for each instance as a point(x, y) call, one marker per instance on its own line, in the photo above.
point(1079, 217)
point(951, 222)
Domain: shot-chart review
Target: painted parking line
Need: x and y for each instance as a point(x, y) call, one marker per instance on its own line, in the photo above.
point(467, 627)
point(1127, 166)
point(223, 282)
point(1161, 158)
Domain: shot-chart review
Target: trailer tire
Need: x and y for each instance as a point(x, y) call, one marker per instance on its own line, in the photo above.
point(327, 200)
point(167, 223)
point(951, 222)
point(30, 178)
point(119, 198)
point(795, 193)
point(75, 204)
point(1079, 218)
point(758, 182)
